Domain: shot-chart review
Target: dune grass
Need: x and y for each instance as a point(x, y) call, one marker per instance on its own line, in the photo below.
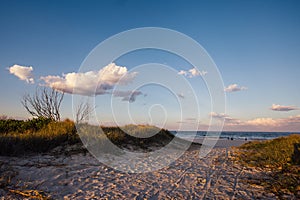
point(42, 135)
point(281, 156)
point(136, 137)
point(45, 138)
point(20, 126)
point(274, 153)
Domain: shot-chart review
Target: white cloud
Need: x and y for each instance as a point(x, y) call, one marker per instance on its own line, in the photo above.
point(234, 88)
point(192, 72)
point(92, 82)
point(113, 74)
point(182, 72)
point(263, 122)
point(22, 72)
point(127, 95)
point(277, 107)
point(219, 115)
point(195, 72)
point(291, 122)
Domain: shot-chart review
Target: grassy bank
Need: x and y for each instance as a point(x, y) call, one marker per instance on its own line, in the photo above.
point(280, 156)
point(19, 138)
point(134, 138)
point(44, 138)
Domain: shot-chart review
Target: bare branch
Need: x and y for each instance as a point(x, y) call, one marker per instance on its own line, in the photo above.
point(83, 110)
point(44, 103)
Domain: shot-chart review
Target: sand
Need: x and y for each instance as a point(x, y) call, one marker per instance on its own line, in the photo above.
point(81, 176)
point(223, 143)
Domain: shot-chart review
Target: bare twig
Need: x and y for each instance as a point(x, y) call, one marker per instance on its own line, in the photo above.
point(44, 103)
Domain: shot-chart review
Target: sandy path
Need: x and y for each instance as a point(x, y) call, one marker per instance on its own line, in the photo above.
point(83, 177)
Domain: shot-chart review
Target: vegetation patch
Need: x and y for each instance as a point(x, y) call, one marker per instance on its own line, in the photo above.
point(41, 135)
point(42, 139)
point(281, 157)
point(139, 138)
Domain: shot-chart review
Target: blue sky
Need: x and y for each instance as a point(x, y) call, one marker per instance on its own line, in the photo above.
point(255, 44)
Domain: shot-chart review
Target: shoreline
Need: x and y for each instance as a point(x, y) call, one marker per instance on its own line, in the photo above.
point(220, 143)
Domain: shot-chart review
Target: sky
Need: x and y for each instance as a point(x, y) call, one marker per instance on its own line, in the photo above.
point(254, 44)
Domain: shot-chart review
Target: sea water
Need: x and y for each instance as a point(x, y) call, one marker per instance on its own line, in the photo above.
point(231, 135)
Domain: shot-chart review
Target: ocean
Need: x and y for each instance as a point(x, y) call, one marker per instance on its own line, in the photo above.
point(233, 135)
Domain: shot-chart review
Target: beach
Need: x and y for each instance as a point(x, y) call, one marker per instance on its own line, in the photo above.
point(221, 142)
point(81, 176)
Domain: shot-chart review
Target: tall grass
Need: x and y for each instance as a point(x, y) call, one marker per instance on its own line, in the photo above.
point(49, 136)
point(282, 157)
point(274, 153)
point(20, 126)
point(137, 136)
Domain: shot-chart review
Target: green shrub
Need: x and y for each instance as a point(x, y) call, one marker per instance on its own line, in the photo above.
point(10, 125)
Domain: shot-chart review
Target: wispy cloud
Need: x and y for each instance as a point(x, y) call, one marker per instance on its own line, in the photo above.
point(189, 120)
point(22, 72)
point(219, 115)
point(277, 107)
point(192, 72)
point(253, 122)
point(222, 116)
point(129, 96)
point(182, 72)
point(234, 88)
point(292, 121)
point(262, 122)
point(180, 95)
point(92, 82)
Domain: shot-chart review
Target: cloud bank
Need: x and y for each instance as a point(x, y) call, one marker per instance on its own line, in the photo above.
point(277, 107)
point(234, 88)
point(22, 72)
point(92, 82)
point(192, 73)
point(265, 123)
